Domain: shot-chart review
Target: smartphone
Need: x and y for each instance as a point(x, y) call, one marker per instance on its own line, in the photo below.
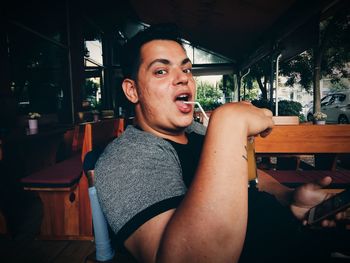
point(329, 207)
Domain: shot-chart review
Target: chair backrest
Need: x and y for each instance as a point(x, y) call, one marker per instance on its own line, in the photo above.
point(104, 250)
point(99, 134)
point(89, 163)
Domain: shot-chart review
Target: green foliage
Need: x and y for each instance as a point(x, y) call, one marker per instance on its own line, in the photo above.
point(258, 72)
point(229, 83)
point(335, 54)
point(337, 86)
point(208, 96)
point(261, 103)
point(91, 89)
point(251, 90)
point(302, 118)
point(336, 33)
point(249, 82)
point(299, 70)
point(289, 108)
point(285, 107)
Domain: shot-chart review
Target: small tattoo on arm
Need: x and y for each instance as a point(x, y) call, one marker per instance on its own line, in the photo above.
point(244, 156)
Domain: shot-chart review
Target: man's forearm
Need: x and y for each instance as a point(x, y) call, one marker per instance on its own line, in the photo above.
point(270, 185)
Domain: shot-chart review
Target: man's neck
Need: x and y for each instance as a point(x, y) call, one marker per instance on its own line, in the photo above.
point(178, 137)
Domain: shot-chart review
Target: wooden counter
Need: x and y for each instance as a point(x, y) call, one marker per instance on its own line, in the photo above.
point(305, 139)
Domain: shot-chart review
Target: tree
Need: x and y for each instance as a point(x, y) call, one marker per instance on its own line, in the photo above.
point(91, 89)
point(329, 57)
point(260, 73)
point(299, 70)
point(227, 84)
point(256, 79)
point(208, 96)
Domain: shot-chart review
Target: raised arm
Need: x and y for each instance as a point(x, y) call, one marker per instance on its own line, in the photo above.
point(210, 223)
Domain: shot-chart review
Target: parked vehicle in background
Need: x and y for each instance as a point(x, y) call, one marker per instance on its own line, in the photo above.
point(336, 106)
point(306, 108)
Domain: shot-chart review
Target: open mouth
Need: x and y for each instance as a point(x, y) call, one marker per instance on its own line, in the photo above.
point(182, 97)
point(181, 100)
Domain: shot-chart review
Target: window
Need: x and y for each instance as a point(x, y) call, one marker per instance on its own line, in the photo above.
point(326, 100)
point(94, 70)
point(38, 72)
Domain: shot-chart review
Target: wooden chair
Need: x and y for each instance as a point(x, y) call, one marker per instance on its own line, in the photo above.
point(104, 250)
point(94, 143)
point(57, 187)
point(96, 135)
point(64, 191)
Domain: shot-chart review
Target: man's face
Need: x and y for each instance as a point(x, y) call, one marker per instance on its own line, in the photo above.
point(164, 82)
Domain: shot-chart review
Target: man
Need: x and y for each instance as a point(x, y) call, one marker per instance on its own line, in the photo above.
point(170, 194)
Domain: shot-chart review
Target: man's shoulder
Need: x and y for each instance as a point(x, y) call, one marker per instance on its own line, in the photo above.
point(196, 127)
point(134, 137)
point(135, 142)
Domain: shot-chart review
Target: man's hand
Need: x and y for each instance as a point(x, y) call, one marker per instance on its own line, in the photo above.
point(307, 196)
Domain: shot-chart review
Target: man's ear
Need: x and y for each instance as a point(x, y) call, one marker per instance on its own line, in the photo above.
point(129, 88)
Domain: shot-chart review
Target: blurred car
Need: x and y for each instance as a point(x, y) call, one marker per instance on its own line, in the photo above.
point(305, 109)
point(337, 107)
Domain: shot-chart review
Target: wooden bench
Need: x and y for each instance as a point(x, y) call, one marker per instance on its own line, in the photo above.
point(57, 187)
point(331, 141)
point(62, 188)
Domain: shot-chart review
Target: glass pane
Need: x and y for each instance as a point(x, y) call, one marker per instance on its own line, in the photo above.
point(93, 50)
point(189, 52)
point(39, 73)
point(92, 98)
point(91, 93)
point(203, 57)
point(47, 18)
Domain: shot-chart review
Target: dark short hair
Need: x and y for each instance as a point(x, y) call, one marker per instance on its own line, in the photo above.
point(131, 51)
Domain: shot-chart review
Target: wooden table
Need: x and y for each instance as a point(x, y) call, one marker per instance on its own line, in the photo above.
point(305, 139)
point(318, 140)
point(24, 152)
point(32, 150)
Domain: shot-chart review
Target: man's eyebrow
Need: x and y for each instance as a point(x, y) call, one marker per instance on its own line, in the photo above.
point(167, 62)
point(185, 61)
point(159, 60)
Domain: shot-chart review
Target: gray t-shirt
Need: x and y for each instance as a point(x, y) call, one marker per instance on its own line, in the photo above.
point(137, 177)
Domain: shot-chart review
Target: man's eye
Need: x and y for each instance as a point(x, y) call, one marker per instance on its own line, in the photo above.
point(160, 72)
point(187, 70)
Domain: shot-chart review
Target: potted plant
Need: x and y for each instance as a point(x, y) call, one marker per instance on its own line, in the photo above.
point(33, 120)
point(320, 117)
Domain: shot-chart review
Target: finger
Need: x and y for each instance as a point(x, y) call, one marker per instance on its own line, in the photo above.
point(325, 223)
point(332, 223)
point(340, 215)
point(320, 183)
point(328, 223)
point(265, 132)
point(324, 181)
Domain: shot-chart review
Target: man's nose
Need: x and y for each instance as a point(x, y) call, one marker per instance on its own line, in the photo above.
point(181, 78)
